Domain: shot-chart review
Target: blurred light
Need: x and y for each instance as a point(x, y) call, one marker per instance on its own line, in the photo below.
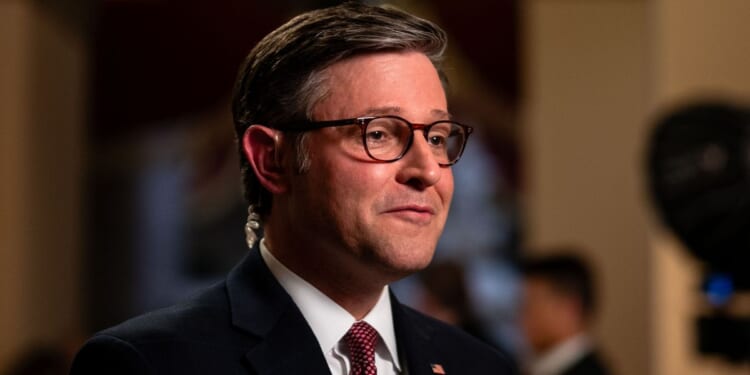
point(718, 289)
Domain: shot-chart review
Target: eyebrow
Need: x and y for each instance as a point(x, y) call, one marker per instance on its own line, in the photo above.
point(393, 110)
point(441, 113)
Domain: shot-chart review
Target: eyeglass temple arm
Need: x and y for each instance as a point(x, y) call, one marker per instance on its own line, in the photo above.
point(312, 125)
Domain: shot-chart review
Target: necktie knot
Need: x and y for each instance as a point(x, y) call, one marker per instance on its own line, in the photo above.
point(361, 340)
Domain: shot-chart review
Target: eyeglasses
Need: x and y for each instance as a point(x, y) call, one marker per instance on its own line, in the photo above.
point(388, 138)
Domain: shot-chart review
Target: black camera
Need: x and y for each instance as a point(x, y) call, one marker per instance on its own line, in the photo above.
point(699, 176)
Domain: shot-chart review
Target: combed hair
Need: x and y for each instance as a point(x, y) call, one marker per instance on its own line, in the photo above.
point(566, 274)
point(284, 76)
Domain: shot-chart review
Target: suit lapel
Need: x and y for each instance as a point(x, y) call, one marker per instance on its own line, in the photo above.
point(261, 307)
point(289, 348)
point(413, 337)
point(287, 345)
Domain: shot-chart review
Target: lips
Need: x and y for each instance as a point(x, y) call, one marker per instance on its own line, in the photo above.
point(413, 208)
point(417, 214)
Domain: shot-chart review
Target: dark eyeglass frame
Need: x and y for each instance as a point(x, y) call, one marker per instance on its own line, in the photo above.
point(364, 121)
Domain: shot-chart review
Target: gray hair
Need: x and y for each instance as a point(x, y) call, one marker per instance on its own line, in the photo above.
point(284, 76)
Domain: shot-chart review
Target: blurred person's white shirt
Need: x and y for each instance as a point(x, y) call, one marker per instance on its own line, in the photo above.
point(562, 356)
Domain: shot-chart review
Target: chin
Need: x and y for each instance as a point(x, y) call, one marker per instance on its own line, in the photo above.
point(405, 260)
point(397, 254)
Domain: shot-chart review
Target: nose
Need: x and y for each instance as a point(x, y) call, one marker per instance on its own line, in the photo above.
point(420, 169)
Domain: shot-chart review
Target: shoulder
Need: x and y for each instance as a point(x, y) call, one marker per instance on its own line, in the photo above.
point(590, 364)
point(196, 318)
point(109, 354)
point(459, 348)
point(163, 340)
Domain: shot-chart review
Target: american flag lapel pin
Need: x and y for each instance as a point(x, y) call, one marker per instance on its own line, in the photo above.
point(437, 369)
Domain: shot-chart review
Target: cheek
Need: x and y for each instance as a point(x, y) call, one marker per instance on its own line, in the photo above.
point(445, 186)
point(535, 315)
point(528, 318)
point(358, 185)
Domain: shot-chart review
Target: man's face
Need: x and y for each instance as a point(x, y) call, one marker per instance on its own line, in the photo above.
point(381, 217)
point(546, 316)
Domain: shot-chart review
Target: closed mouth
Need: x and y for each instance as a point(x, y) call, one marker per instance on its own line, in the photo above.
point(412, 208)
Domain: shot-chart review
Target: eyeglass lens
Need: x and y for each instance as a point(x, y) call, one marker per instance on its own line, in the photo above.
point(388, 138)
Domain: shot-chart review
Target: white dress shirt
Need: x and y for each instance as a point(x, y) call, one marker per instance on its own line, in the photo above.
point(562, 356)
point(330, 322)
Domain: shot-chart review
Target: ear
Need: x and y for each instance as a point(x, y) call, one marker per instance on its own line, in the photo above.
point(262, 147)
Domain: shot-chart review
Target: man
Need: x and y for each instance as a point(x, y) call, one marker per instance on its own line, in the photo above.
point(558, 305)
point(346, 145)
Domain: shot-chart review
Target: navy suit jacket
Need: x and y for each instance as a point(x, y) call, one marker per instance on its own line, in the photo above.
point(248, 324)
point(590, 364)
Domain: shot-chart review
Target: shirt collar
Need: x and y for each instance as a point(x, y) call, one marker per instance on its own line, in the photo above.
point(560, 357)
point(329, 321)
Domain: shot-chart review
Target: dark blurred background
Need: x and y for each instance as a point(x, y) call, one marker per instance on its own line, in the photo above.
point(120, 189)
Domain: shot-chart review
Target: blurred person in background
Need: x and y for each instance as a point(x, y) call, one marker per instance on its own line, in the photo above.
point(558, 305)
point(346, 148)
point(446, 298)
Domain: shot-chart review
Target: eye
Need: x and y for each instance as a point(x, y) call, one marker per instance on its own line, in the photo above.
point(436, 140)
point(385, 131)
point(438, 134)
point(375, 135)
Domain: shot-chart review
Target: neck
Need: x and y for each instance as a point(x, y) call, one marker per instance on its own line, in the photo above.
point(334, 274)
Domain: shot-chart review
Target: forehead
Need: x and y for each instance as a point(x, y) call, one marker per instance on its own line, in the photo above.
point(403, 83)
point(537, 287)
